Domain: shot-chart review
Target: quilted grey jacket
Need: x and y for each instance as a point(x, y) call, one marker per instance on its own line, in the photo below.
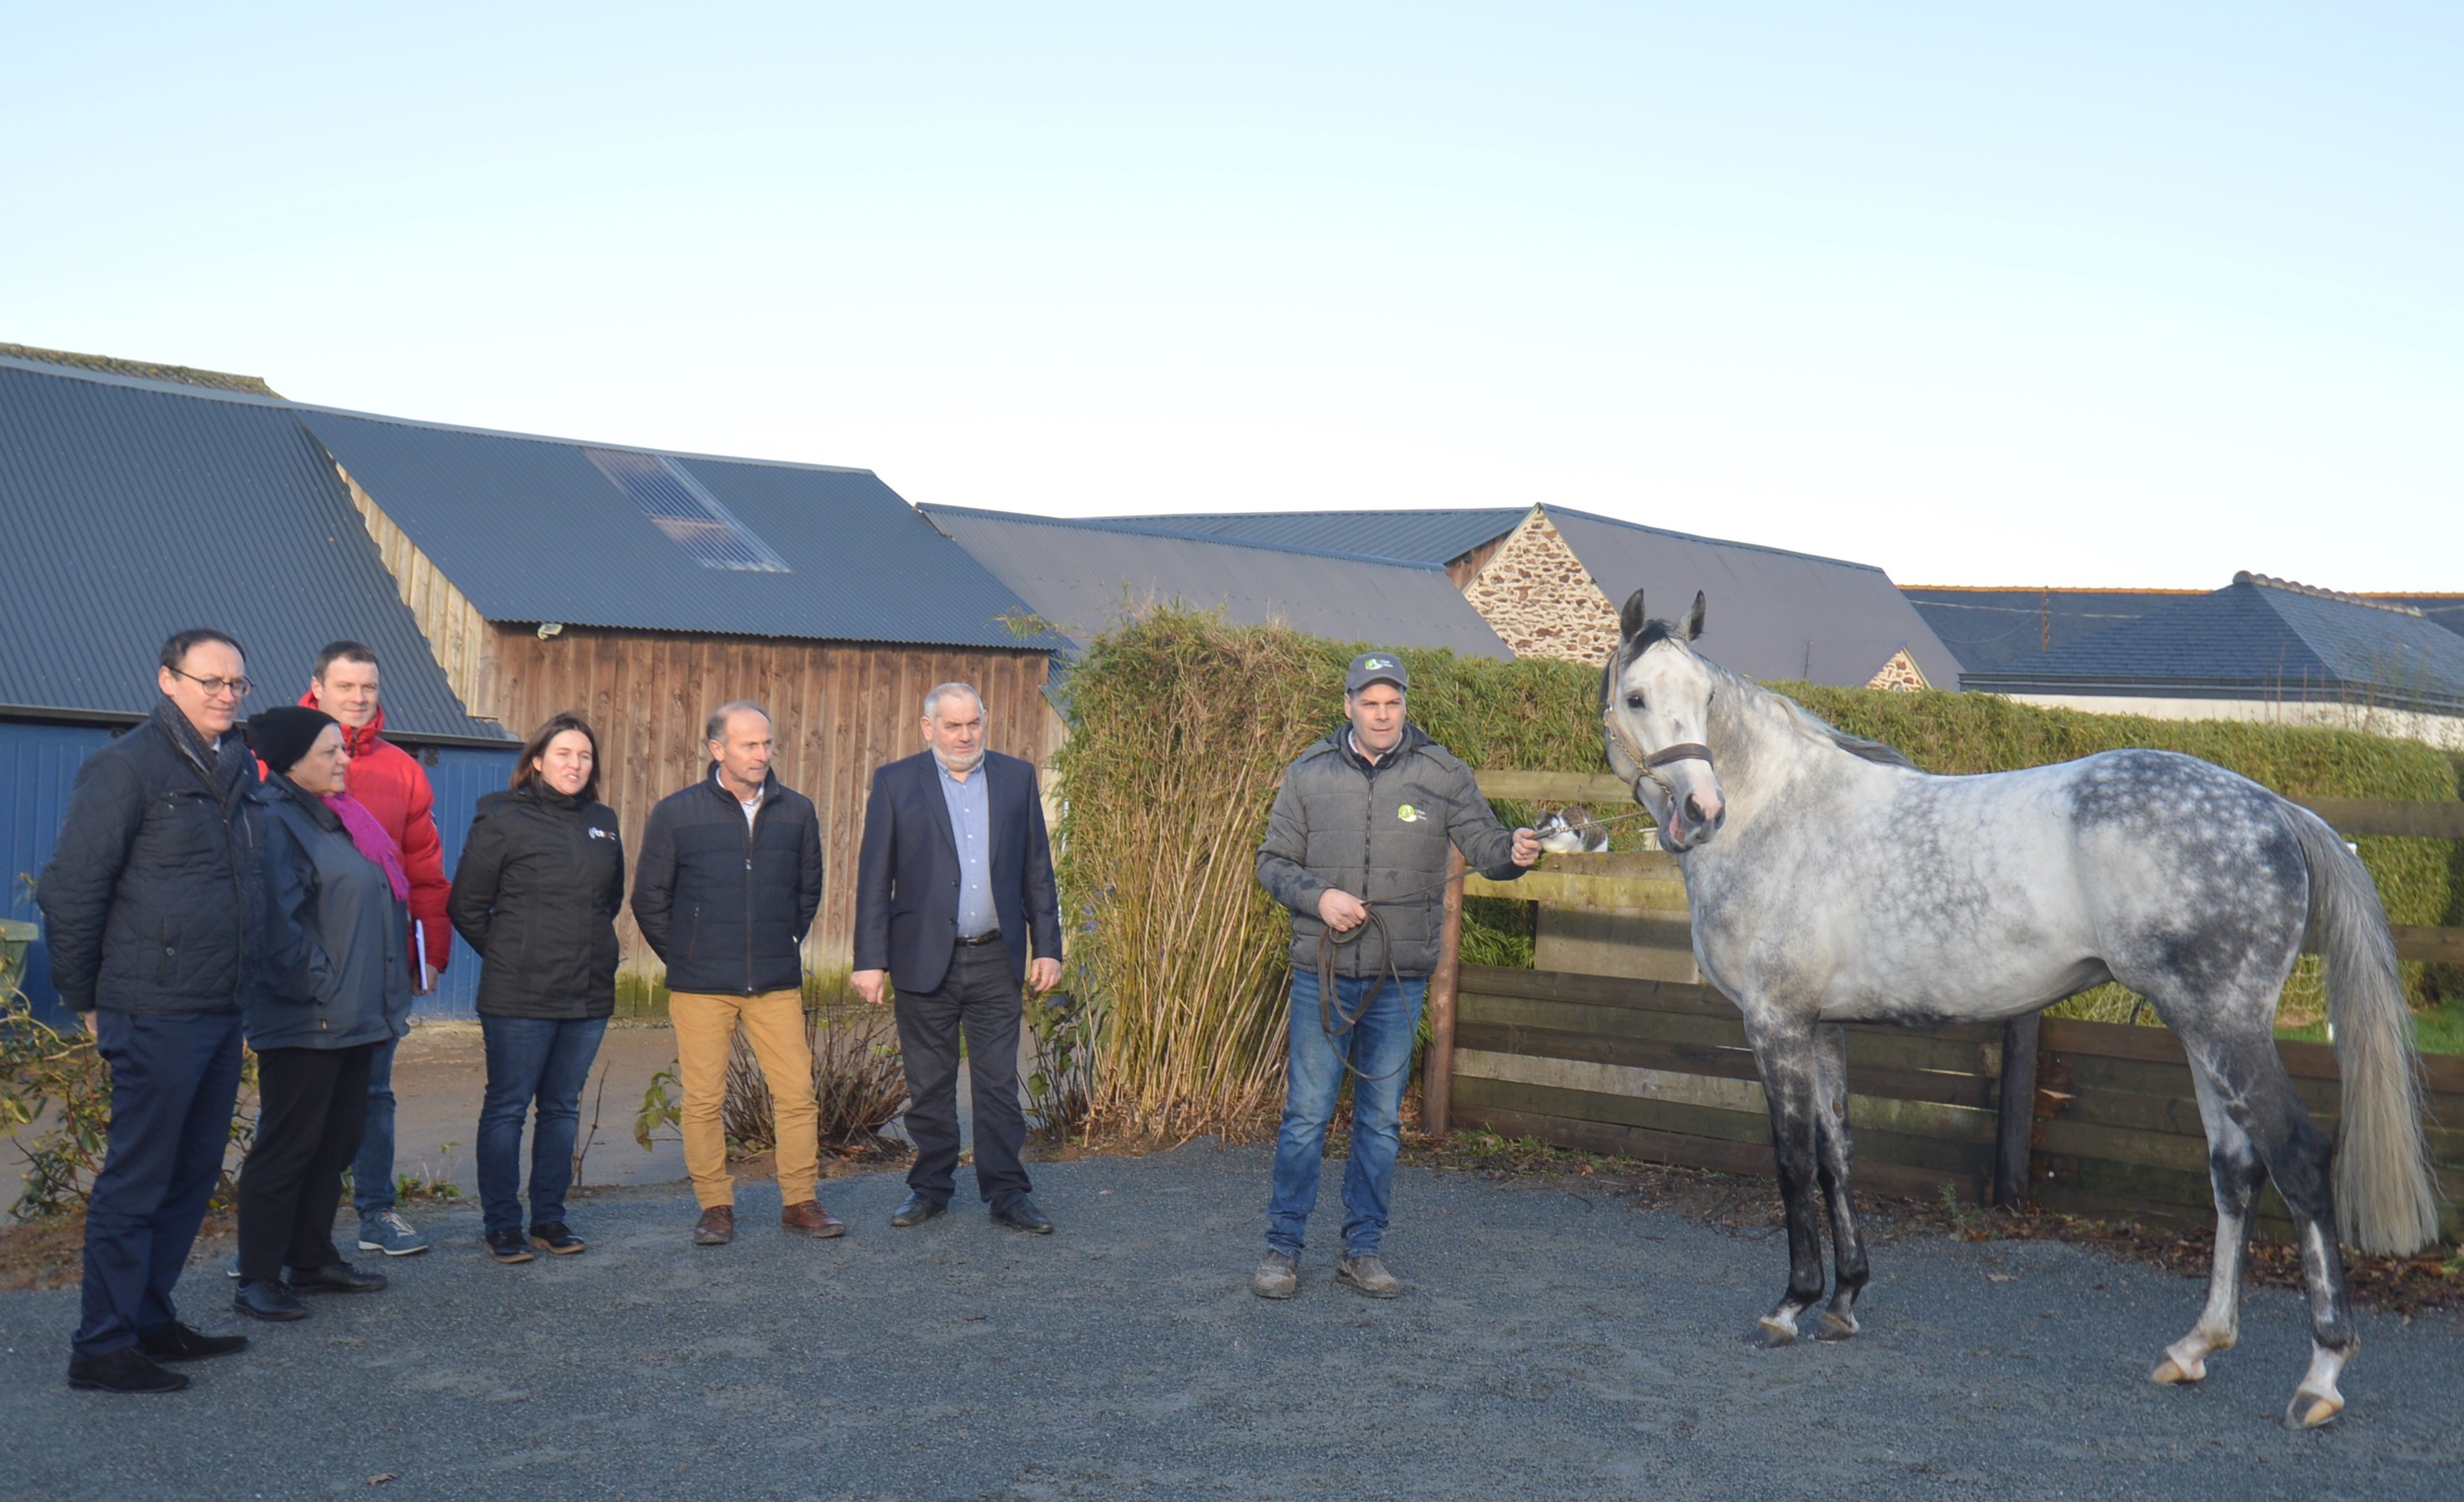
point(1381, 834)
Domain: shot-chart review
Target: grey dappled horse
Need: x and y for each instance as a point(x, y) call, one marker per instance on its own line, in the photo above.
point(1832, 882)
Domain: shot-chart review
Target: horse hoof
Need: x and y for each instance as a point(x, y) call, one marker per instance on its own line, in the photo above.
point(1835, 1327)
point(2171, 1372)
point(1769, 1335)
point(2308, 1409)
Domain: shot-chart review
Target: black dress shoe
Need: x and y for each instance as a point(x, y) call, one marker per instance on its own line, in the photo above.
point(177, 1342)
point(126, 1370)
point(268, 1298)
point(1021, 1215)
point(556, 1237)
point(338, 1277)
point(509, 1244)
point(915, 1211)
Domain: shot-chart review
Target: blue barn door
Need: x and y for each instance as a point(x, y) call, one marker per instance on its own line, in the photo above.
point(38, 766)
point(460, 776)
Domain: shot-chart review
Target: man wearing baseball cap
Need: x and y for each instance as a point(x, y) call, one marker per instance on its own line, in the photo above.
point(1356, 849)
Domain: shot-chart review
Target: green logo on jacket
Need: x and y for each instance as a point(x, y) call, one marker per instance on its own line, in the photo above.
point(1407, 813)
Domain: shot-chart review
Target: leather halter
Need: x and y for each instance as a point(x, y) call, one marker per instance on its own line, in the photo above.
point(1649, 764)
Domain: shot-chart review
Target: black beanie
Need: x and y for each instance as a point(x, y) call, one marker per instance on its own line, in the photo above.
point(284, 735)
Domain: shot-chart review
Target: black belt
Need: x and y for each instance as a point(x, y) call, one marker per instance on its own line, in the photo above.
point(980, 940)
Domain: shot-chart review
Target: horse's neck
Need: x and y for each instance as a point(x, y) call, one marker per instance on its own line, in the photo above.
point(1765, 764)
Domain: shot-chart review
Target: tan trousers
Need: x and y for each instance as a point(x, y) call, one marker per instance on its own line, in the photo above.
point(774, 1024)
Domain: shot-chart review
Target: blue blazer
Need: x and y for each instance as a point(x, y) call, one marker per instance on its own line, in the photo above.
point(906, 872)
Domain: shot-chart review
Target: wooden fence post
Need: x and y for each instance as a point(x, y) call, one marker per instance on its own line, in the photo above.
point(2014, 1134)
point(1437, 1074)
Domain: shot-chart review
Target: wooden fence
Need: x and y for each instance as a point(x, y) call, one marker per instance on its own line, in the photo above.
point(2090, 1118)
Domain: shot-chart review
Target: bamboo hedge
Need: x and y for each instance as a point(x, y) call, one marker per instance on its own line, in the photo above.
point(1181, 725)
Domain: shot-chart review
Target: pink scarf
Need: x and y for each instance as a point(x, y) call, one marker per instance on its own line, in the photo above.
point(372, 840)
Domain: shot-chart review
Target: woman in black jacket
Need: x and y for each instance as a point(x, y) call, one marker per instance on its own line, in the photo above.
point(336, 986)
point(536, 893)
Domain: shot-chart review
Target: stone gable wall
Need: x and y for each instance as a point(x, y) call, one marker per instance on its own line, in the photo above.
point(1900, 673)
point(1538, 596)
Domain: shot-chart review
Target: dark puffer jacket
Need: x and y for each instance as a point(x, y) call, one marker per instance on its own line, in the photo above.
point(337, 944)
point(154, 900)
point(1381, 833)
point(537, 893)
point(726, 905)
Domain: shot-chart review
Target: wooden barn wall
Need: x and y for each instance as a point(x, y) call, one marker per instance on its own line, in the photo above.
point(838, 712)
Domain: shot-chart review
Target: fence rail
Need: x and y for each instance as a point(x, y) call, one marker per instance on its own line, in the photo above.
point(2090, 1118)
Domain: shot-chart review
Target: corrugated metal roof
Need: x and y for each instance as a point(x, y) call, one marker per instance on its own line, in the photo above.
point(1084, 575)
point(1420, 536)
point(135, 509)
point(530, 529)
point(2257, 638)
point(1772, 613)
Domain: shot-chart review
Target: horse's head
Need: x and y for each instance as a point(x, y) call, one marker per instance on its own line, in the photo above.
point(1656, 713)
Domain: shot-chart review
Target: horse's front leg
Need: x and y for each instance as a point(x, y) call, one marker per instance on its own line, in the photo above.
point(1830, 1167)
point(1788, 1059)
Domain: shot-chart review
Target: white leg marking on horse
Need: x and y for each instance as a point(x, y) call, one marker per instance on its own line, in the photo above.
point(2315, 1401)
point(2186, 1360)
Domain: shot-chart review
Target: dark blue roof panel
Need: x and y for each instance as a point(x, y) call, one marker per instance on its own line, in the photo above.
point(2258, 637)
point(134, 509)
point(531, 529)
point(1419, 536)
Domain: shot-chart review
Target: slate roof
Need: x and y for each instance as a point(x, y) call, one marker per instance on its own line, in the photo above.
point(2257, 639)
point(1083, 575)
point(531, 529)
point(1992, 630)
point(1772, 613)
point(135, 508)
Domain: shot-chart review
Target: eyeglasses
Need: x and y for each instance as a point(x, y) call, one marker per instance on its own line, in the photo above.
point(217, 688)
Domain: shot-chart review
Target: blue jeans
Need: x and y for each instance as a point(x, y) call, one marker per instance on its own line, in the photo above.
point(174, 1082)
point(1379, 1045)
point(372, 1187)
point(532, 1059)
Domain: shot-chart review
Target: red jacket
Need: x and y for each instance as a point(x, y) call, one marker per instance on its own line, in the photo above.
point(391, 784)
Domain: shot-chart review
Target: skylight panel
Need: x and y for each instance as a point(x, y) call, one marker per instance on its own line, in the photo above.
point(680, 506)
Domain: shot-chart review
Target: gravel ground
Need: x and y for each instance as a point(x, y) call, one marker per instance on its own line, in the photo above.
point(1551, 1345)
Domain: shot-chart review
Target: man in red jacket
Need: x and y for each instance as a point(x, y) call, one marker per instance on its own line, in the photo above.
point(393, 784)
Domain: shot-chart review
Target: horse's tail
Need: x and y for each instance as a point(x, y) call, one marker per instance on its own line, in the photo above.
point(2386, 1199)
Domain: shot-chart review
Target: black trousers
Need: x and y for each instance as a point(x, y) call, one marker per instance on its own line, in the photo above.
point(313, 1106)
point(981, 996)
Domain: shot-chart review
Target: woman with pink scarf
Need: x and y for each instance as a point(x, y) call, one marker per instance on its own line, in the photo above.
point(336, 987)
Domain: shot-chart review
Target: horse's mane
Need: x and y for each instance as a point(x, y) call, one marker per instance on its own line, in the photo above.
point(1804, 721)
point(1813, 724)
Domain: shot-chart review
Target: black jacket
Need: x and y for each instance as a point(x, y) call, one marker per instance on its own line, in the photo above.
point(908, 873)
point(537, 893)
point(726, 905)
point(154, 900)
point(1381, 834)
point(337, 939)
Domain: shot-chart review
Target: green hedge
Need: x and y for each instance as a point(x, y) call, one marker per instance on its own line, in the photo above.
point(1181, 725)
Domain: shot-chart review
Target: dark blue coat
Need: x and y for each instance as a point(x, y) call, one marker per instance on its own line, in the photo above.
point(724, 904)
point(337, 942)
point(154, 900)
point(907, 873)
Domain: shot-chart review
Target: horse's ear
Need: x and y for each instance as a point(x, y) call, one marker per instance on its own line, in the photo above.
point(1693, 617)
point(1630, 622)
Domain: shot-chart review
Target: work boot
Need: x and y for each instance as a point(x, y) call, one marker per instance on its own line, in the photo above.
point(1366, 1273)
point(716, 1226)
point(812, 1220)
point(1278, 1277)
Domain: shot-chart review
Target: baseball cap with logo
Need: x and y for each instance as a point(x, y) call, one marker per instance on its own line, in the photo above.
point(1376, 667)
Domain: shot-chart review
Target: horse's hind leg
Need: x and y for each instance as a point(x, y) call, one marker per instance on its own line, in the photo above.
point(2236, 1173)
point(1788, 1062)
point(1831, 1161)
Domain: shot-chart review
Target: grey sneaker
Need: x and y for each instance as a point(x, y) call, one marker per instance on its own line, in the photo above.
point(1369, 1275)
point(1278, 1277)
point(230, 1269)
point(389, 1233)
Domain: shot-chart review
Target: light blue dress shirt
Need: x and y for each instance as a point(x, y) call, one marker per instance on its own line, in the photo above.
point(971, 824)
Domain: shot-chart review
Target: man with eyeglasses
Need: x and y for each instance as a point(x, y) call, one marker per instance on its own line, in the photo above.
point(153, 907)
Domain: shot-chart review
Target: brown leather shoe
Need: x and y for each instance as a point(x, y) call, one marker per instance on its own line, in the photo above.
point(716, 1226)
point(809, 1219)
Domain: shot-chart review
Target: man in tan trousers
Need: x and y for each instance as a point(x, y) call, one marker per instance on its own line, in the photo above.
point(730, 877)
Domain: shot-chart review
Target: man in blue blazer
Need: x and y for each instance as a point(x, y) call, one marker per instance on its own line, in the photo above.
point(954, 890)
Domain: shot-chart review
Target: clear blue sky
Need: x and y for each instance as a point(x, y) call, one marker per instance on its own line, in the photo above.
point(2079, 294)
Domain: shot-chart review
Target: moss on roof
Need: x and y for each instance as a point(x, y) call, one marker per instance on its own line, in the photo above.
point(142, 371)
